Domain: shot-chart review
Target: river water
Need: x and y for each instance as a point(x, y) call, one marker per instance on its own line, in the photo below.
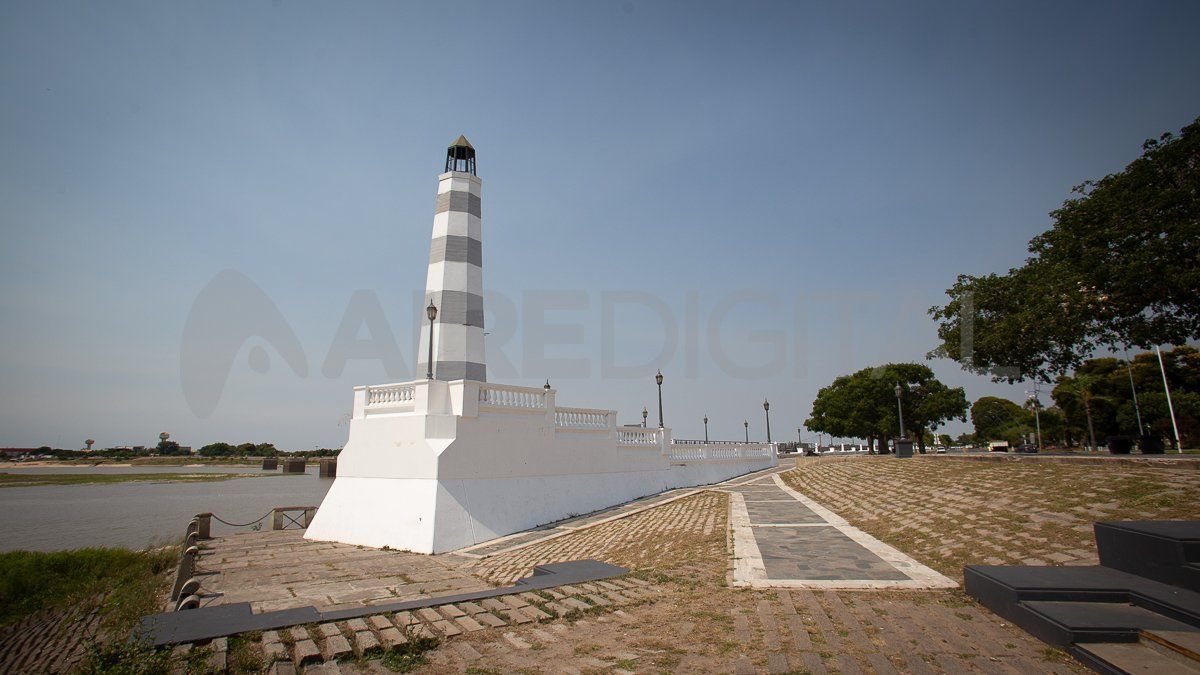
point(138, 514)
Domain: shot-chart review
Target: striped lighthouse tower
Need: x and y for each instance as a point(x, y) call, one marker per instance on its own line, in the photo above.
point(455, 281)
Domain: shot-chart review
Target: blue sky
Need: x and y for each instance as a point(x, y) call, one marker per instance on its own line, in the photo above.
point(846, 160)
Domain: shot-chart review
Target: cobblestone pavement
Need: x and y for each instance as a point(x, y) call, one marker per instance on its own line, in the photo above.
point(949, 512)
point(280, 569)
point(54, 641)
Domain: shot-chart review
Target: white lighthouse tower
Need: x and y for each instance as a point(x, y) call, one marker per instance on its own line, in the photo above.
point(454, 284)
point(451, 460)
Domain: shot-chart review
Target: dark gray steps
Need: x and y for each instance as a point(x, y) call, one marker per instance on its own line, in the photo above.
point(1079, 622)
point(1163, 550)
point(1119, 658)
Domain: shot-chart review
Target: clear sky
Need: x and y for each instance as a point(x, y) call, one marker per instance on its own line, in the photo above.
point(822, 170)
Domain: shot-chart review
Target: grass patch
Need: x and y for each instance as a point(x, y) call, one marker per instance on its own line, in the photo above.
point(409, 655)
point(129, 581)
point(8, 480)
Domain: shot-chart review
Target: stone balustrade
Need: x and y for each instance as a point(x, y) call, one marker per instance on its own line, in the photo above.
point(584, 418)
point(637, 436)
point(390, 395)
point(506, 396)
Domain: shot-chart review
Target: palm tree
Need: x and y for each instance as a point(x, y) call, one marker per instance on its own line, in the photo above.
point(1081, 388)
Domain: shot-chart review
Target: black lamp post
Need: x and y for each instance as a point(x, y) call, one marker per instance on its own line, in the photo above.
point(900, 408)
point(706, 428)
point(547, 387)
point(746, 423)
point(430, 312)
point(658, 379)
point(645, 414)
point(767, 410)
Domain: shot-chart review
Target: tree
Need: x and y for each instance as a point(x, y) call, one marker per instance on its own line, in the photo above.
point(167, 448)
point(994, 418)
point(1082, 389)
point(863, 405)
point(1119, 266)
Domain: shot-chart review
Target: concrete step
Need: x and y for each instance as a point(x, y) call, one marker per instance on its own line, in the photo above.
point(1130, 657)
point(1182, 645)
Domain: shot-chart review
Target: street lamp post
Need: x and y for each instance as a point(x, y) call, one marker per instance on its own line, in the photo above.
point(658, 379)
point(767, 410)
point(1133, 388)
point(706, 428)
point(1037, 418)
point(746, 423)
point(430, 312)
point(645, 414)
point(903, 445)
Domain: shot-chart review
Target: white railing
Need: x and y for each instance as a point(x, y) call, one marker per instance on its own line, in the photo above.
point(636, 436)
point(582, 418)
point(390, 395)
point(691, 452)
point(503, 396)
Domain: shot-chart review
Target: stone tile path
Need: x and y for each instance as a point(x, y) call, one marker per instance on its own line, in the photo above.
point(280, 569)
point(783, 539)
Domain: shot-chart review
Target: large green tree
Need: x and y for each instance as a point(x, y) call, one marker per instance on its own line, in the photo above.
point(1119, 266)
point(863, 405)
point(997, 418)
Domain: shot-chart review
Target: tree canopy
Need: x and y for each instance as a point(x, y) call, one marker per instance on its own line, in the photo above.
point(1119, 266)
point(863, 405)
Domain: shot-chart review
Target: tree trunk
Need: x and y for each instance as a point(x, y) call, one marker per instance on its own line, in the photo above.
point(920, 431)
point(870, 445)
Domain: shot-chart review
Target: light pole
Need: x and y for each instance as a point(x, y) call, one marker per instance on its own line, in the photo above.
point(430, 312)
point(746, 423)
point(645, 414)
point(1037, 406)
point(900, 409)
point(767, 410)
point(1170, 407)
point(706, 428)
point(658, 379)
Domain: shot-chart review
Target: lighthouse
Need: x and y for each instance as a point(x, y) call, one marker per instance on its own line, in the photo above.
point(454, 283)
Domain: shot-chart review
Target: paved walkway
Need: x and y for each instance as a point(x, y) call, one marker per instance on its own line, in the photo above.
point(783, 539)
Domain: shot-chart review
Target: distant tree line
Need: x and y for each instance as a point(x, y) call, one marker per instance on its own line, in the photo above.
point(221, 449)
point(1097, 401)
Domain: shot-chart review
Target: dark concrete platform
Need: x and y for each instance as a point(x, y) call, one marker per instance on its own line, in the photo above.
point(206, 623)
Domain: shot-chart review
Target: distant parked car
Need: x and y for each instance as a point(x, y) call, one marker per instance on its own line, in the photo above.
point(998, 446)
point(941, 450)
point(1027, 448)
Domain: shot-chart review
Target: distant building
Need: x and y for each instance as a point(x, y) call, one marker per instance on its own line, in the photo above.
point(12, 453)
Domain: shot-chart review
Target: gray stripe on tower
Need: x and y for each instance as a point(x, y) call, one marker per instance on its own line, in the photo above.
point(459, 307)
point(456, 248)
point(461, 370)
point(458, 200)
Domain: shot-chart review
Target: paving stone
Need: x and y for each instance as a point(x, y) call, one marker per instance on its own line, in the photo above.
point(271, 636)
point(575, 603)
point(516, 616)
point(305, 651)
point(598, 600)
point(329, 630)
point(329, 668)
point(404, 619)
point(274, 651)
point(423, 631)
point(365, 642)
point(356, 625)
point(537, 614)
point(451, 612)
point(428, 614)
point(493, 605)
point(469, 608)
point(336, 647)
point(446, 628)
point(531, 598)
point(559, 610)
point(469, 624)
point(282, 668)
point(513, 602)
point(392, 638)
point(380, 622)
point(490, 620)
